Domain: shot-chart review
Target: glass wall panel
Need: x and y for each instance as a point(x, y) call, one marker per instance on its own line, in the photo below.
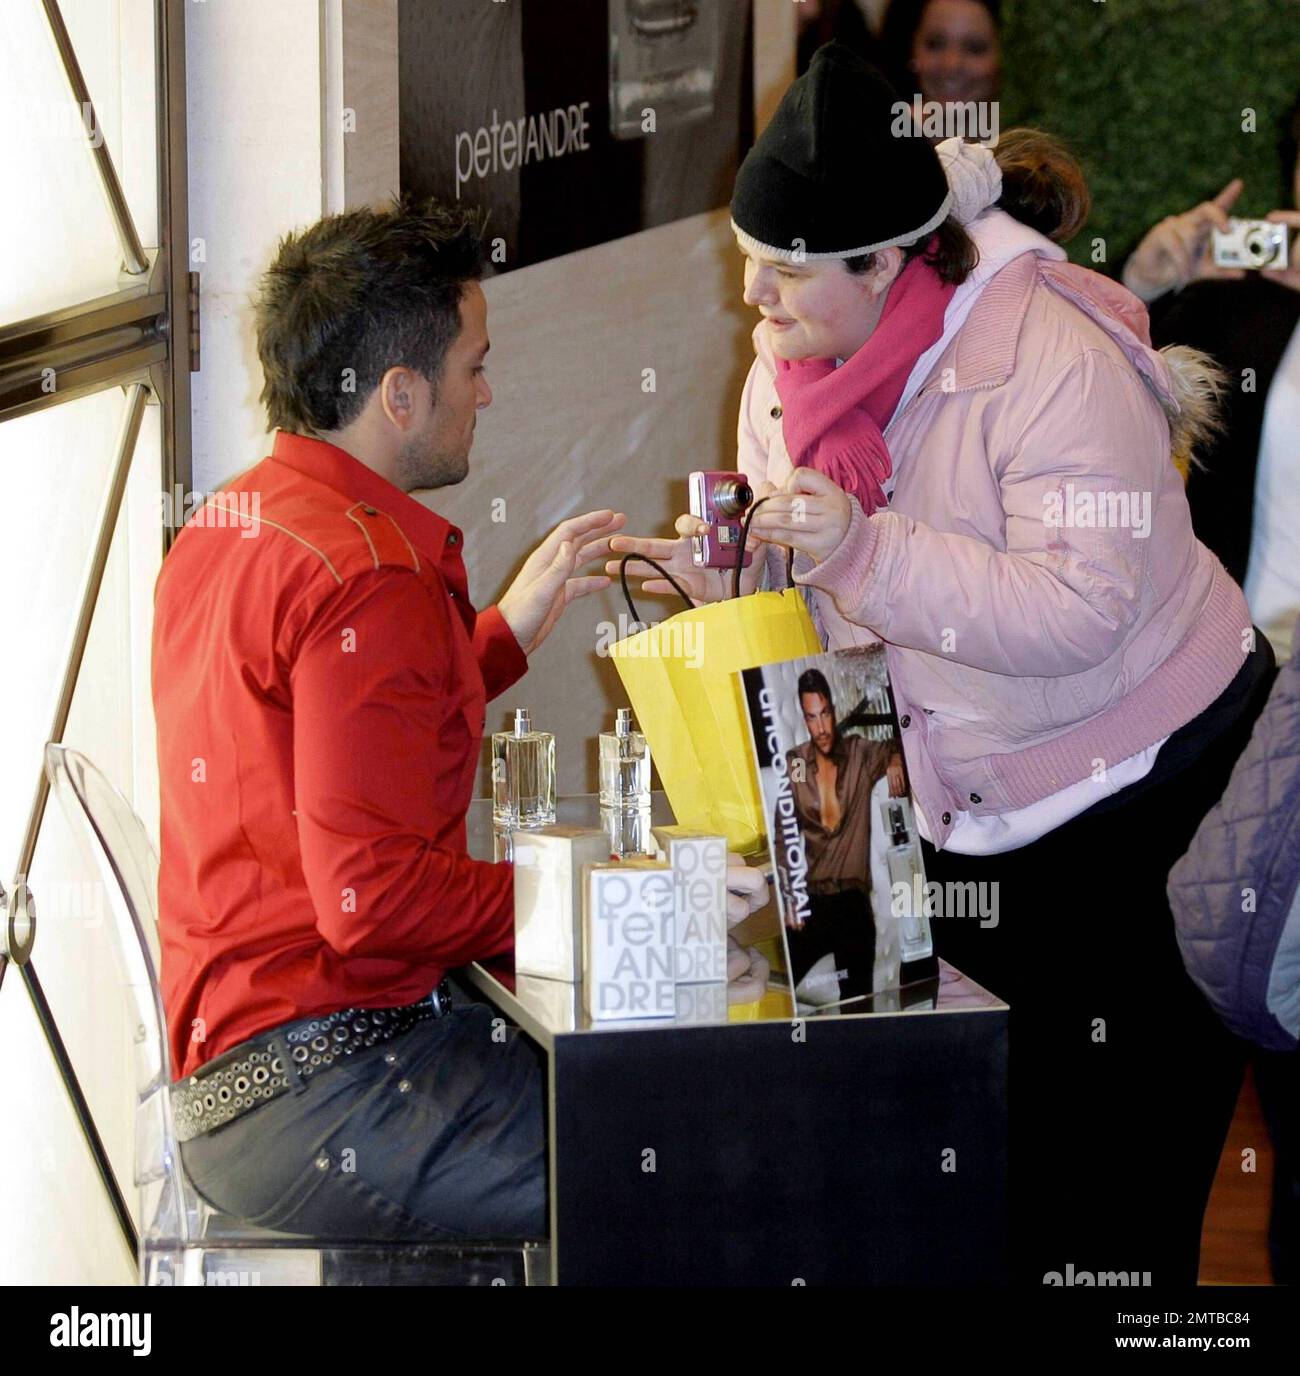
point(62, 248)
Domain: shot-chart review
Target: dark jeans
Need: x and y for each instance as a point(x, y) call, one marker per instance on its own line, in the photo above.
point(843, 923)
point(436, 1134)
point(1122, 1080)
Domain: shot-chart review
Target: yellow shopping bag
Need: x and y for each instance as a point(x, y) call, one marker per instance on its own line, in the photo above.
point(682, 678)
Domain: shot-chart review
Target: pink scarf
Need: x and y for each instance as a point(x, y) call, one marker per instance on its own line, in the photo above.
point(832, 418)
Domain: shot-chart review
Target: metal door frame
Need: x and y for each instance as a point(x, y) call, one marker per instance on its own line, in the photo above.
point(144, 339)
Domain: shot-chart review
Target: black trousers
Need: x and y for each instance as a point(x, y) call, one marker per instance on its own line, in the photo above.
point(436, 1134)
point(1277, 1078)
point(843, 923)
point(1122, 1080)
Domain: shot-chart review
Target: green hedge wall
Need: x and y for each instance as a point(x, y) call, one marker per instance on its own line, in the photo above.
point(1149, 94)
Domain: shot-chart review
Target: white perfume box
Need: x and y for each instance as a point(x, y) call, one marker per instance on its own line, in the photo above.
point(554, 1002)
point(629, 952)
point(548, 897)
point(699, 865)
point(701, 1003)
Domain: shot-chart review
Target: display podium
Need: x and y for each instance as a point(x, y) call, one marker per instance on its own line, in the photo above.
point(739, 1145)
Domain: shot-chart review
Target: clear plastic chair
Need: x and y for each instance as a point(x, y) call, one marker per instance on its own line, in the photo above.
point(183, 1239)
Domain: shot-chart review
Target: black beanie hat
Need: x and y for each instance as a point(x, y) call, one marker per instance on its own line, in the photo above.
point(828, 177)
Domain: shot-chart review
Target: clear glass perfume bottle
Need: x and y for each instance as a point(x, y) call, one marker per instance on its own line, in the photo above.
point(523, 776)
point(629, 832)
point(624, 766)
point(907, 881)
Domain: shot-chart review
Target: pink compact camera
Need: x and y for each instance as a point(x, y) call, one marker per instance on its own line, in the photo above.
point(721, 499)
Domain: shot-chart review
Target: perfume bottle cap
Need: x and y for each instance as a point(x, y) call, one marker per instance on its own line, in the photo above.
point(522, 723)
point(623, 722)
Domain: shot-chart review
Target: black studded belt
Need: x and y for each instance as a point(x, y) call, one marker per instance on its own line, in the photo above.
point(284, 1058)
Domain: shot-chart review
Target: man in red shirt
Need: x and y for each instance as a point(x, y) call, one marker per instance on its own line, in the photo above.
point(320, 680)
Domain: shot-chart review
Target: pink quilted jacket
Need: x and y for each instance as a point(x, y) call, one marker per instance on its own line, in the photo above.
point(1046, 607)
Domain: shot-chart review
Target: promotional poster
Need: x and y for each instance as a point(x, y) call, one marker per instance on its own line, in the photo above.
point(578, 123)
point(843, 835)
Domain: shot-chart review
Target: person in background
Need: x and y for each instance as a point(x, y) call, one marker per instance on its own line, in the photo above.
point(1245, 494)
point(1245, 956)
point(1245, 503)
point(821, 21)
point(944, 50)
point(933, 386)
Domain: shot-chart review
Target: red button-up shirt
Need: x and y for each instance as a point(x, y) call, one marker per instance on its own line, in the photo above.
point(319, 681)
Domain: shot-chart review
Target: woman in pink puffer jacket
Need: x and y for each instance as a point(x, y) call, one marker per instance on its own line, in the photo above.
point(972, 449)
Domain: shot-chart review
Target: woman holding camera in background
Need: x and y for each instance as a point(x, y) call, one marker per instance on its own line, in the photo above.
point(942, 406)
point(1245, 495)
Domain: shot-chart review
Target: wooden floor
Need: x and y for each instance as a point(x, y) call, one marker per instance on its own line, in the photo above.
point(1234, 1246)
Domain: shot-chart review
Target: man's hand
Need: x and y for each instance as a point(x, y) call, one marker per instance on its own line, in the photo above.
point(811, 515)
point(703, 585)
point(546, 584)
point(1177, 250)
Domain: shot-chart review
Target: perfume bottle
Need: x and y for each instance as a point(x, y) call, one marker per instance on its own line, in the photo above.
point(523, 776)
point(629, 831)
point(907, 882)
point(624, 766)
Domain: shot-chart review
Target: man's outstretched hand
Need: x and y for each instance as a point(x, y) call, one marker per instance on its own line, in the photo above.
point(549, 579)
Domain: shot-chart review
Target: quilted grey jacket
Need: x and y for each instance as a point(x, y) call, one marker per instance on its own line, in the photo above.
point(1236, 893)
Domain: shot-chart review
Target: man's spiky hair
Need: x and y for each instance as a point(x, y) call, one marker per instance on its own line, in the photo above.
point(356, 294)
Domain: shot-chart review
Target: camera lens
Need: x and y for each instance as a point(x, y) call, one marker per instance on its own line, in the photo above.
point(1258, 246)
point(732, 498)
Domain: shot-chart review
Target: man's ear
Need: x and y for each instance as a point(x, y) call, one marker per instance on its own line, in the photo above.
point(397, 396)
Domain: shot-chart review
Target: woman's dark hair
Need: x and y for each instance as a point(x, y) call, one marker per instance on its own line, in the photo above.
point(953, 255)
point(1043, 186)
point(356, 294)
point(814, 681)
point(838, 21)
point(1289, 144)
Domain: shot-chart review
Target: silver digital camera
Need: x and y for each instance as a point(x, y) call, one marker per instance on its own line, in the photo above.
point(1251, 244)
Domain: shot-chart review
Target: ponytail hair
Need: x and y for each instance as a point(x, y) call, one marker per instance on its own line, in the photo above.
point(1043, 185)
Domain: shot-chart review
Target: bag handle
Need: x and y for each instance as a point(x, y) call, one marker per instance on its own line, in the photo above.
point(740, 552)
point(660, 570)
point(677, 587)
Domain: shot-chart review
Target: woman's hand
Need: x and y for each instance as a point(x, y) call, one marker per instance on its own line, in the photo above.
point(811, 515)
point(704, 585)
point(897, 779)
point(747, 889)
point(747, 972)
point(1177, 250)
point(1288, 276)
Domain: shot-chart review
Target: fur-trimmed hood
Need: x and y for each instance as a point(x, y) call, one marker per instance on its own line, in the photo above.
point(1198, 384)
point(1188, 383)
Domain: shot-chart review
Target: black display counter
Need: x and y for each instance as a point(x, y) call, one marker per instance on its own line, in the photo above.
point(863, 1147)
